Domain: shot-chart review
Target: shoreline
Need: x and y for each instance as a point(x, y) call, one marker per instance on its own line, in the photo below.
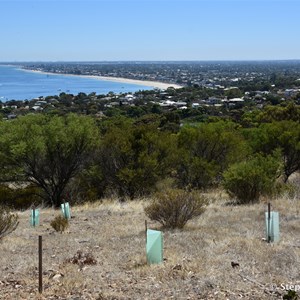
point(153, 84)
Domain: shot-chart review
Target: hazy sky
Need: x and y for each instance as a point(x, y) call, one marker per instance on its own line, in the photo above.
point(96, 30)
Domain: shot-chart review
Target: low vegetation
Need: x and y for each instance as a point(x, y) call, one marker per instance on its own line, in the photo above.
point(174, 208)
point(248, 180)
point(59, 223)
point(197, 259)
point(8, 222)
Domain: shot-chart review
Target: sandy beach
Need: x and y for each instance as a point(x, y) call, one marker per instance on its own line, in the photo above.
point(154, 84)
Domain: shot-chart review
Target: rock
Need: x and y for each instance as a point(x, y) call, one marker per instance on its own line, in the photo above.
point(235, 264)
point(57, 277)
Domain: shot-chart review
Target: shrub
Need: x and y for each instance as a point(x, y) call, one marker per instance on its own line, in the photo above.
point(8, 222)
point(197, 173)
point(59, 223)
point(205, 151)
point(133, 158)
point(25, 197)
point(290, 295)
point(5, 195)
point(248, 180)
point(21, 197)
point(174, 208)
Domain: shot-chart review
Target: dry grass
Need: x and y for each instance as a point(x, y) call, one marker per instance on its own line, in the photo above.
point(197, 259)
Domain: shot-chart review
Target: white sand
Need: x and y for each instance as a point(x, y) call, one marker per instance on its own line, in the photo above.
point(154, 84)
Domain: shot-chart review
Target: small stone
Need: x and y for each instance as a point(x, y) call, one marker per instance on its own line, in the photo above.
point(57, 277)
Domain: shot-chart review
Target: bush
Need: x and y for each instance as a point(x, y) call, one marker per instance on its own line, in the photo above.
point(174, 208)
point(19, 198)
point(197, 173)
point(5, 195)
point(205, 151)
point(59, 223)
point(8, 222)
point(248, 180)
point(290, 295)
point(23, 198)
point(133, 158)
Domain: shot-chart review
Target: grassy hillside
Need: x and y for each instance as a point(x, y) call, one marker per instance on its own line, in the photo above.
point(197, 262)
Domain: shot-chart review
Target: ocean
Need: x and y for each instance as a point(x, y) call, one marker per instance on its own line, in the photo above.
point(18, 84)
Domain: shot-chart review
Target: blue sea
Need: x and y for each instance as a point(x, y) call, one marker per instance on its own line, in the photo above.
point(18, 84)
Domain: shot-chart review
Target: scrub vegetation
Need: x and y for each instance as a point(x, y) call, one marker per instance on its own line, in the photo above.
point(189, 179)
point(47, 158)
point(174, 208)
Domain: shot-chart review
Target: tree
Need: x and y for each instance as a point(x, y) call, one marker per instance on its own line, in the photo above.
point(134, 157)
point(233, 93)
point(288, 112)
point(206, 151)
point(285, 136)
point(249, 179)
point(46, 151)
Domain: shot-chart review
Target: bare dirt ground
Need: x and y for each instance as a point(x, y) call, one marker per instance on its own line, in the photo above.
point(197, 259)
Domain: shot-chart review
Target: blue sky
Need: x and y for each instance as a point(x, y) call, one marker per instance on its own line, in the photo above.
point(97, 30)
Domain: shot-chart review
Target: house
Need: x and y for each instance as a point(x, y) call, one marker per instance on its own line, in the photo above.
point(36, 108)
point(213, 101)
point(180, 103)
point(129, 97)
point(233, 102)
point(41, 102)
point(167, 103)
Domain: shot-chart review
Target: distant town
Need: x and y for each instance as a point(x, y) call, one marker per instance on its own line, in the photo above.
point(208, 88)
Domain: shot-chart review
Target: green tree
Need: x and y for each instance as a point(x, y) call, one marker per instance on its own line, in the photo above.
point(285, 136)
point(286, 112)
point(206, 151)
point(134, 157)
point(248, 180)
point(233, 93)
point(46, 151)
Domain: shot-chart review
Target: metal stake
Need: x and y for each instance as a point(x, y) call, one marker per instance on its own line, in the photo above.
point(146, 228)
point(65, 211)
point(40, 264)
point(33, 216)
point(269, 222)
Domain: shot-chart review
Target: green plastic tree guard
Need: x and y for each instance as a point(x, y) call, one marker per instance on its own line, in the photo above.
point(154, 246)
point(272, 226)
point(34, 217)
point(66, 210)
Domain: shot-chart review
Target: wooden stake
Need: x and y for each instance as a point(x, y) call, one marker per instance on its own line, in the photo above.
point(40, 264)
point(33, 216)
point(65, 212)
point(269, 222)
point(146, 228)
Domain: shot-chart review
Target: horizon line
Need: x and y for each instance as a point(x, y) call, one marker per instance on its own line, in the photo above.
point(191, 60)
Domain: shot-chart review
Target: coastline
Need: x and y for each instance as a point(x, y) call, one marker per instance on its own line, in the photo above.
point(153, 84)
